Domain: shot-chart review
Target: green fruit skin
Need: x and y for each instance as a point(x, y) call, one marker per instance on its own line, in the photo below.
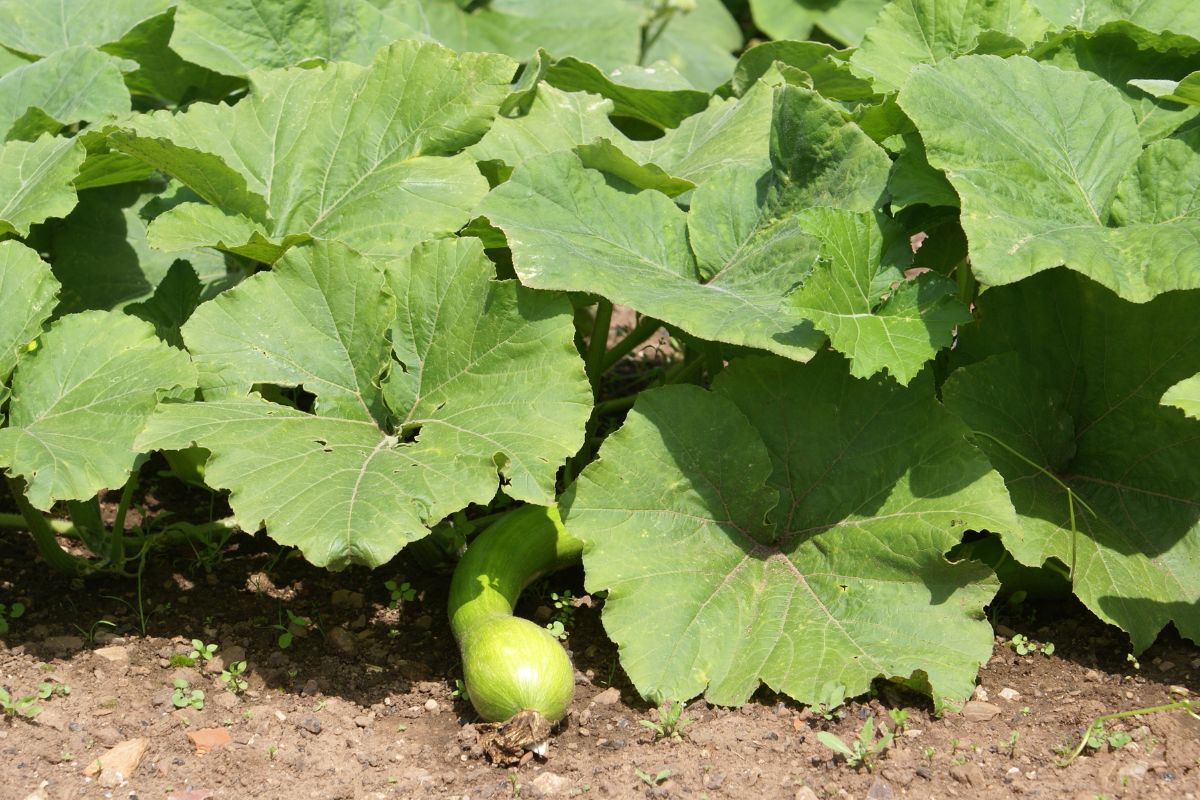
point(511, 664)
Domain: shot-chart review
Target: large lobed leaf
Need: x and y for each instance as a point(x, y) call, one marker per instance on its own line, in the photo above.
point(1050, 171)
point(719, 272)
point(1070, 377)
point(79, 401)
point(369, 156)
point(795, 519)
point(78, 84)
point(426, 374)
point(36, 181)
point(857, 294)
point(844, 20)
point(27, 294)
point(236, 37)
point(912, 32)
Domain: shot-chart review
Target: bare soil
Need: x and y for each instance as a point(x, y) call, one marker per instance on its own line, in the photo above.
point(360, 705)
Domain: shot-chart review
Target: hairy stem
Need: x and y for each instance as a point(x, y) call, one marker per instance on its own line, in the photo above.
point(43, 533)
point(116, 542)
point(599, 340)
point(640, 333)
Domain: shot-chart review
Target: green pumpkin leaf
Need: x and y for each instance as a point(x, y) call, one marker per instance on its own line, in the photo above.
point(27, 295)
point(406, 428)
point(795, 539)
point(1037, 156)
point(379, 170)
point(1070, 377)
point(81, 399)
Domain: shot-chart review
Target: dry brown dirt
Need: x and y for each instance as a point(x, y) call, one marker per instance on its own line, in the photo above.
point(361, 705)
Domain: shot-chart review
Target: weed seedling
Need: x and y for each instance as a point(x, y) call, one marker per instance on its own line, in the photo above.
point(201, 651)
point(899, 718)
point(653, 780)
point(564, 614)
point(48, 690)
point(182, 698)
point(287, 632)
point(864, 750)
point(1023, 646)
point(89, 635)
point(19, 706)
point(401, 593)
point(9, 612)
point(671, 721)
point(232, 677)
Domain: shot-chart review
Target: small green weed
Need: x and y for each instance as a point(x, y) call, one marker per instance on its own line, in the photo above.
point(201, 651)
point(653, 780)
point(287, 633)
point(864, 750)
point(1023, 646)
point(26, 706)
point(183, 698)
point(8, 613)
point(402, 592)
point(232, 677)
point(671, 721)
point(564, 614)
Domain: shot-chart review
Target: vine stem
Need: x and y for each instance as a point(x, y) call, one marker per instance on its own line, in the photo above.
point(640, 333)
point(43, 533)
point(116, 542)
point(1179, 705)
point(15, 522)
point(599, 340)
point(966, 282)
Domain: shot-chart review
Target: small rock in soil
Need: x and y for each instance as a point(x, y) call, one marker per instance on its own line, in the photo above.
point(206, 739)
point(191, 794)
point(1010, 695)
point(805, 793)
point(901, 776)
point(980, 693)
point(978, 711)
point(311, 724)
point(113, 655)
point(880, 790)
point(1135, 771)
point(342, 640)
point(227, 700)
point(107, 736)
point(547, 784)
point(714, 780)
point(610, 696)
point(968, 774)
point(63, 644)
point(432, 706)
point(344, 598)
point(119, 763)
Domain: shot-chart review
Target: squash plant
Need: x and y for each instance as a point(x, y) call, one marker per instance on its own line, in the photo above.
point(364, 276)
